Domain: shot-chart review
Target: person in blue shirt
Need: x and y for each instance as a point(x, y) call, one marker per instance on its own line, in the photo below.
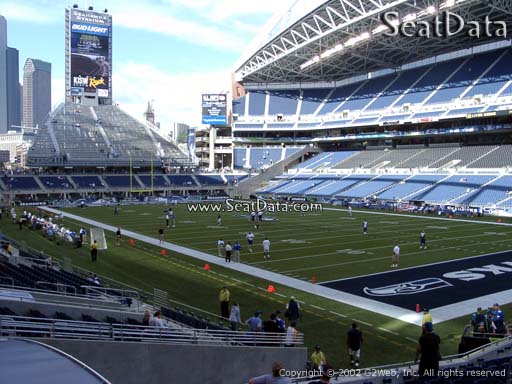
point(255, 324)
point(236, 248)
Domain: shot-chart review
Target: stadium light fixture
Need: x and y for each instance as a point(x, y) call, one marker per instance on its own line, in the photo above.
point(447, 4)
point(431, 10)
point(75, 6)
point(91, 8)
point(383, 27)
point(410, 17)
point(105, 10)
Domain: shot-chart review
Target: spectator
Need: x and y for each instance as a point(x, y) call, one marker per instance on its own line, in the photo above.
point(427, 318)
point(291, 335)
point(317, 358)
point(477, 319)
point(156, 320)
point(146, 318)
point(292, 310)
point(428, 348)
point(281, 326)
point(224, 301)
point(325, 376)
point(234, 316)
point(270, 326)
point(275, 378)
point(354, 341)
point(255, 323)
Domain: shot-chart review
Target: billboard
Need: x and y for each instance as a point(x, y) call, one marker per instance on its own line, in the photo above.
point(214, 107)
point(90, 66)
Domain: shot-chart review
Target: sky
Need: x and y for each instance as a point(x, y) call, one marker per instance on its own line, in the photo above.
point(166, 51)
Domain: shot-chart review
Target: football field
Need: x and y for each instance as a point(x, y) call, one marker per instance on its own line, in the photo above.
point(328, 247)
point(320, 246)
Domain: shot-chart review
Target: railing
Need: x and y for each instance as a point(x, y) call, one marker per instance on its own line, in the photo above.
point(69, 329)
point(59, 287)
point(112, 293)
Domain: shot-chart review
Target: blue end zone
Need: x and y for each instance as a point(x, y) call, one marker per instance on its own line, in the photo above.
point(434, 285)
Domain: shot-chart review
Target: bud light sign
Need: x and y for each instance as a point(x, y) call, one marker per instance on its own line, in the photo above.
point(90, 29)
point(214, 109)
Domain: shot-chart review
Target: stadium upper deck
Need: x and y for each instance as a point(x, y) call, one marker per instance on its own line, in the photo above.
point(333, 75)
point(339, 39)
point(100, 136)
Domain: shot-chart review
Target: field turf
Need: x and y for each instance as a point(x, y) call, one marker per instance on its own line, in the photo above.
point(328, 245)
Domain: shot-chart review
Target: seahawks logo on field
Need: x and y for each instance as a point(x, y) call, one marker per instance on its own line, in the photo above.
point(408, 288)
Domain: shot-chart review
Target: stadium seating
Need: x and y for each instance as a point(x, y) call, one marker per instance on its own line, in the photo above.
point(122, 181)
point(372, 187)
point(206, 180)
point(181, 180)
point(102, 135)
point(158, 181)
point(87, 182)
point(429, 90)
point(55, 182)
point(409, 186)
point(451, 188)
point(426, 157)
point(261, 157)
point(20, 182)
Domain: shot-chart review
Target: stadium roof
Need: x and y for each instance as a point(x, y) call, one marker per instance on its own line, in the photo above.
point(344, 38)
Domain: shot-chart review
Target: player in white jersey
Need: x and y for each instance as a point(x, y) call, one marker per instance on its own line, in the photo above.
point(365, 227)
point(423, 240)
point(350, 210)
point(396, 256)
point(266, 248)
point(220, 245)
point(250, 240)
point(219, 220)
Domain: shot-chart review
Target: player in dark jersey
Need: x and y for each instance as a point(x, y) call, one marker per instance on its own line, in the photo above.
point(354, 341)
point(118, 236)
point(161, 235)
point(423, 240)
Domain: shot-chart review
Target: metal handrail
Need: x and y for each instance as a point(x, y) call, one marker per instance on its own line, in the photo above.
point(71, 329)
point(60, 287)
point(107, 291)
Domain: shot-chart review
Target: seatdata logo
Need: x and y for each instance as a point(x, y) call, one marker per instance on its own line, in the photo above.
point(408, 288)
point(89, 29)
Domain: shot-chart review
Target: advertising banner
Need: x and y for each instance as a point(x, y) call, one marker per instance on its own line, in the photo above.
point(214, 107)
point(90, 67)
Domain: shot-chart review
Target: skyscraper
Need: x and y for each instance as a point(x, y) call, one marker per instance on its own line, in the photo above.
point(3, 75)
point(13, 88)
point(37, 94)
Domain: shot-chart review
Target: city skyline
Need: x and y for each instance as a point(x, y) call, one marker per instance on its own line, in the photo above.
point(167, 51)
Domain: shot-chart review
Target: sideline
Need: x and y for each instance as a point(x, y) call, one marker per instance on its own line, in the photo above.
point(421, 217)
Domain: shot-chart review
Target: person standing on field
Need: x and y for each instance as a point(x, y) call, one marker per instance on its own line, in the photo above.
point(396, 256)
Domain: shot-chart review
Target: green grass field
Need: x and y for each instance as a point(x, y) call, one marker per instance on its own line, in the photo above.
point(328, 245)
